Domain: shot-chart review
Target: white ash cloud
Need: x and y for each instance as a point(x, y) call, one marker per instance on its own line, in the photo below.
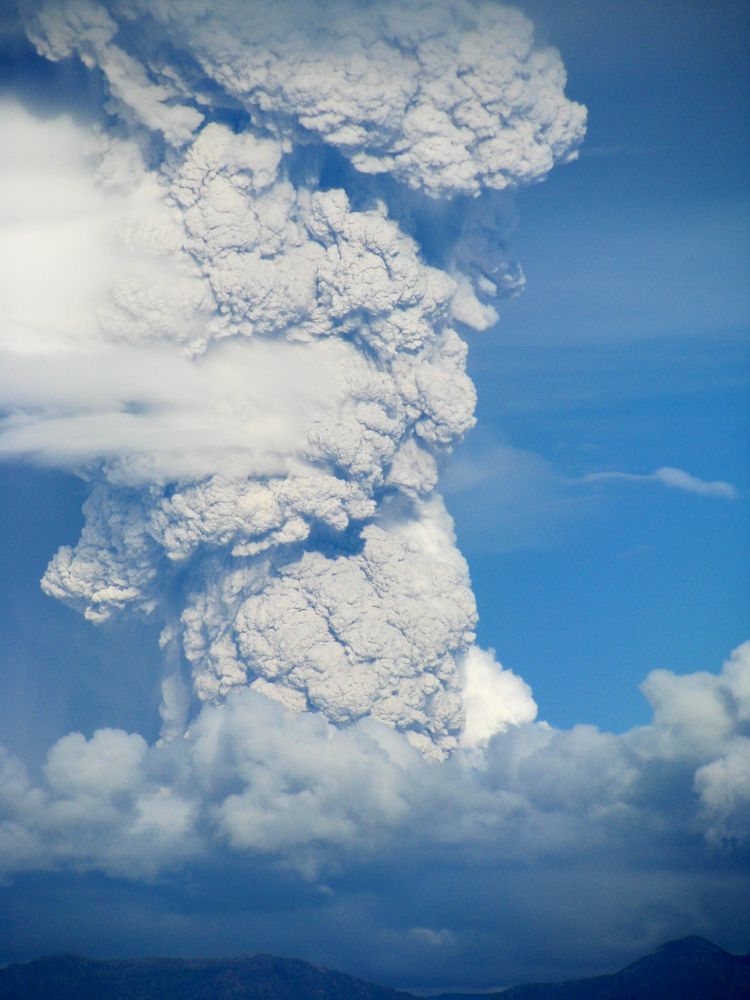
point(268, 376)
point(492, 699)
point(450, 98)
point(286, 433)
point(374, 633)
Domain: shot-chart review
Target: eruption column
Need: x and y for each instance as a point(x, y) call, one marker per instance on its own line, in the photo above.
point(313, 199)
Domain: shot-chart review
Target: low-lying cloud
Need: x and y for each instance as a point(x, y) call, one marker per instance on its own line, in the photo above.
point(252, 776)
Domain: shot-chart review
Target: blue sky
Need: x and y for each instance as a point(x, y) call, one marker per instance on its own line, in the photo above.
point(628, 350)
point(547, 853)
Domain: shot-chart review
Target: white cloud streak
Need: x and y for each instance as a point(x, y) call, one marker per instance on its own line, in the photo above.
point(676, 479)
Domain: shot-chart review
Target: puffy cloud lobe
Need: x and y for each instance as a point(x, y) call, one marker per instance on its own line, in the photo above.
point(324, 786)
point(101, 807)
point(370, 634)
point(373, 633)
point(251, 516)
point(699, 716)
point(492, 699)
point(113, 564)
point(449, 98)
point(724, 789)
point(107, 765)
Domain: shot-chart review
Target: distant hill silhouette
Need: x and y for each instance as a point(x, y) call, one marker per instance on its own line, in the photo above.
point(260, 977)
point(689, 969)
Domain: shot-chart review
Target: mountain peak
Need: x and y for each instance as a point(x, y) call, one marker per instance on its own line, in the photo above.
point(690, 945)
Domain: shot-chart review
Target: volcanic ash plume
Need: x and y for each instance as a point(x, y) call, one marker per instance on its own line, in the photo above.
point(306, 199)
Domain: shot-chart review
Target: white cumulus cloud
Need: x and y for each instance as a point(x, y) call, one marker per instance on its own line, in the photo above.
point(309, 795)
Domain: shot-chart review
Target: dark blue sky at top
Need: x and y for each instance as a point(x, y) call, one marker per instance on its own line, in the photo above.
point(628, 351)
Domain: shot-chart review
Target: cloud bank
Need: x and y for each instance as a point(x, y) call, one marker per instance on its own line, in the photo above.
point(318, 798)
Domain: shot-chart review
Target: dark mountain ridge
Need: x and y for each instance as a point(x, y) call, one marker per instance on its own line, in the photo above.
point(689, 969)
point(255, 977)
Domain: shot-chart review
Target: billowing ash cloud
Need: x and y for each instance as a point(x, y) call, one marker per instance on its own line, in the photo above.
point(269, 374)
point(448, 97)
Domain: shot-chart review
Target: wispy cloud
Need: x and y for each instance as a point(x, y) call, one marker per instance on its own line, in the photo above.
point(616, 149)
point(505, 498)
point(668, 476)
